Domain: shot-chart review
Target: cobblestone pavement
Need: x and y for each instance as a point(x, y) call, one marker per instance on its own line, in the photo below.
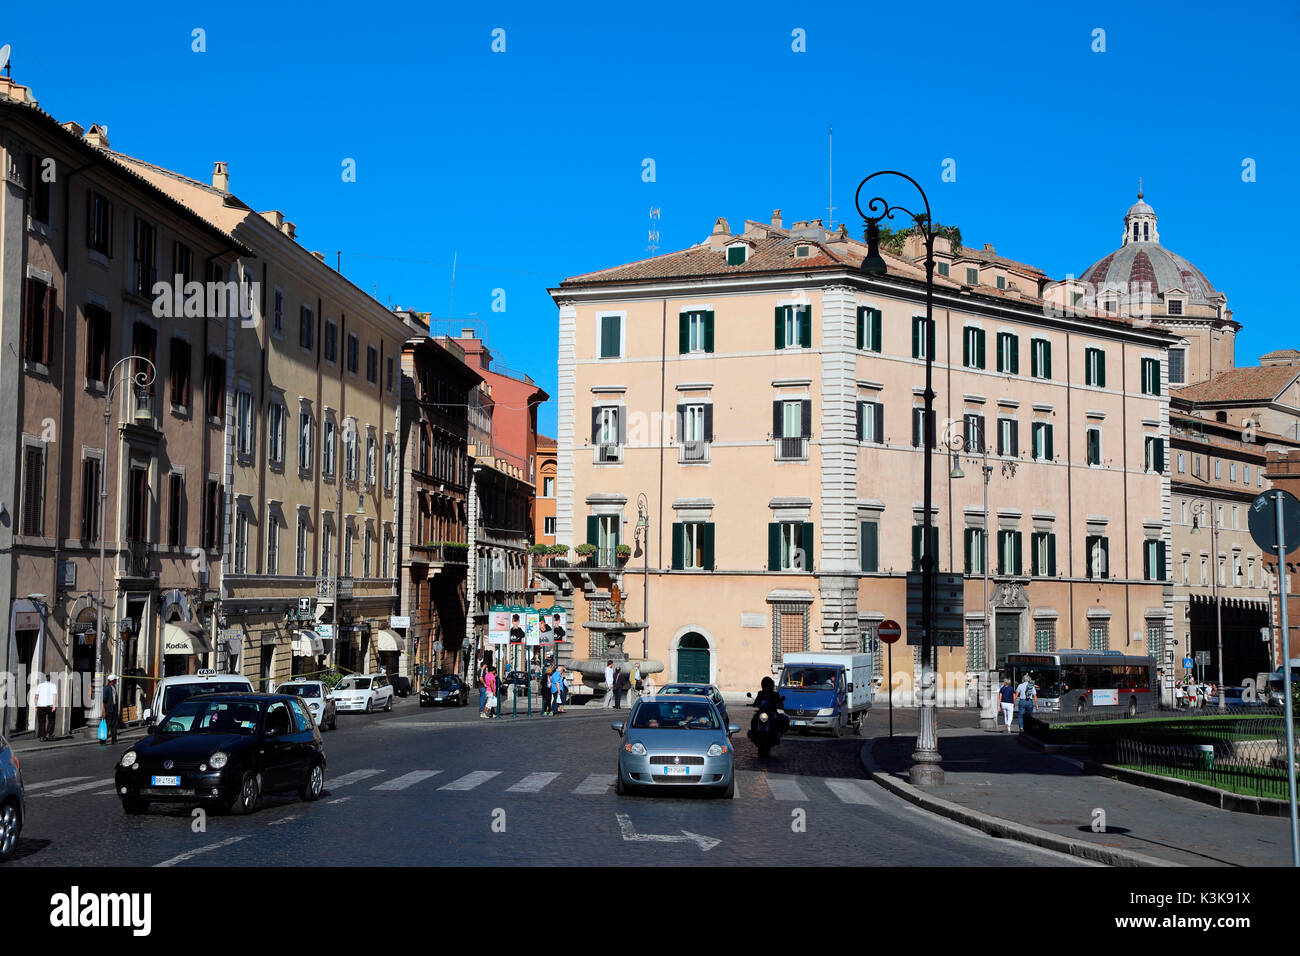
point(427, 787)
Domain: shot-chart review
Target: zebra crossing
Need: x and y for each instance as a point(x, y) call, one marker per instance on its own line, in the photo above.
point(750, 785)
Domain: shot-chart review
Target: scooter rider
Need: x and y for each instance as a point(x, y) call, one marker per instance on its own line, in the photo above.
point(767, 699)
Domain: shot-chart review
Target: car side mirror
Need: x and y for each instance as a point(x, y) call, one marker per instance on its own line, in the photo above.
point(749, 694)
point(147, 715)
point(618, 727)
point(733, 729)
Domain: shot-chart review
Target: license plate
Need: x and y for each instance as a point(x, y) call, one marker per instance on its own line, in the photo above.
point(799, 723)
point(166, 781)
point(677, 771)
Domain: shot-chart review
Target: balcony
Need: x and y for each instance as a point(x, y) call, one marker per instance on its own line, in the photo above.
point(134, 559)
point(693, 451)
point(791, 449)
point(609, 454)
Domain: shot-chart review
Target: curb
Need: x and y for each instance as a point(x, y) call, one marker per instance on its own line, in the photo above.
point(128, 733)
point(1189, 790)
point(998, 827)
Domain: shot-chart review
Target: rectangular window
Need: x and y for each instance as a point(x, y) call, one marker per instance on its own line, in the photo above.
point(869, 329)
point(175, 510)
point(972, 276)
point(1154, 454)
point(372, 454)
point(1182, 463)
point(90, 476)
point(973, 431)
point(350, 450)
point(241, 541)
point(1008, 437)
point(1232, 471)
point(870, 546)
point(306, 329)
point(611, 345)
point(98, 329)
point(607, 425)
point(871, 422)
point(1040, 358)
point(1045, 637)
point(327, 450)
point(272, 544)
point(1099, 636)
point(736, 255)
point(548, 525)
point(548, 487)
point(326, 547)
point(1153, 561)
point(918, 415)
point(1042, 438)
point(275, 433)
point(180, 373)
point(1097, 553)
point(1218, 469)
point(1043, 559)
point(34, 490)
point(349, 536)
point(372, 365)
point(145, 345)
point(354, 354)
point(212, 515)
point(1175, 306)
point(182, 262)
point(1150, 376)
point(972, 348)
point(793, 542)
point(244, 423)
point(1008, 353)
point(146, 252)
point(793, 326)
point(1094, 446)
point(1177, 366)
point(390, 462)
point(331, 342)
point(974, 547)
point(1009, 552)
point(137, 515)
point(692, 546)
point(40, 187)
point(388, 551)
point(389, 362)
point(1002, 282)
point(943, 268)
point(367, 550)
point(300, 553)
point(38, 322)
point(216, 386)
point(695, 332)
point(1094, 371)
point(99, 223)
point(922, 344)
point(918, 532)
point(277, 313)
point(304, 440)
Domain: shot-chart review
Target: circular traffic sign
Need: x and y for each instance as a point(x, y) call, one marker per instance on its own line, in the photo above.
point(1262, 520)
point(889, 631)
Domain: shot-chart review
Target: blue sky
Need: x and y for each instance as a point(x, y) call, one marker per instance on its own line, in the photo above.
point(526, 165)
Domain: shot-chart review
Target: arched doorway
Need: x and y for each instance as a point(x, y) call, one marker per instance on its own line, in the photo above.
point(83, 664)
point(693, 659)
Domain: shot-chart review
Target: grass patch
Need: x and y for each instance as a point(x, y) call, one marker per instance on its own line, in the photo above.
point(1265, 783)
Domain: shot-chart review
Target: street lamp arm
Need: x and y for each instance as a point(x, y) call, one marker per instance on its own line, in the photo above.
point(143, 378)
point(924, 223)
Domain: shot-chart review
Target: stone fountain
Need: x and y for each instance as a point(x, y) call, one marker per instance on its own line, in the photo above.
point(608, 621)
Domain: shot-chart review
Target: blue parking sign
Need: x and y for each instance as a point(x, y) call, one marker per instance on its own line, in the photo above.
point(1188, 663)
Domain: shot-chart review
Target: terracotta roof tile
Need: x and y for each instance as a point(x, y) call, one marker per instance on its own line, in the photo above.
point(1251, 383)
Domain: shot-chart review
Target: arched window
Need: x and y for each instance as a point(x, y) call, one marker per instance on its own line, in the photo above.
point(1146, 231)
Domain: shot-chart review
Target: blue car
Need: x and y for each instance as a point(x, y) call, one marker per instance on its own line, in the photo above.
point(675, 741)
point(13, 808)
point(699, 690)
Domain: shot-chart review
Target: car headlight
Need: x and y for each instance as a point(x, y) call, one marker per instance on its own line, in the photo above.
point(825, 711)
point(717, 750)
point(314, 706)
point(762, 718)
point(636, 749)
point(218, 760)
point(128, 758)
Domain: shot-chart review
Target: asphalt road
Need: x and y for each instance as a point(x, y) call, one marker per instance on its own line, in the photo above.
point(440, 787)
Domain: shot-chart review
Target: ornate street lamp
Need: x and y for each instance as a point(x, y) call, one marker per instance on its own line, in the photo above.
point(642, 538)
point(925, 769)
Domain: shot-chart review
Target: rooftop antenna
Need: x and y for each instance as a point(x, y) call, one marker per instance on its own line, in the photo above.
point(830, 179)
point(654, 230)
point(451, 307)
point(4, 60)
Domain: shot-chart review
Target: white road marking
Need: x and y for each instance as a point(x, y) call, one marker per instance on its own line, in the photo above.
point(472, 780)
point(406, 780)
point(64, 791)
point(51, 783)
point(276, 823)
point(785, 788)
point(532, 783)
point(850, 791)
point(631, 836)
point(350, 778)
point(340, 800)
point(598, 783)
point(203, 849)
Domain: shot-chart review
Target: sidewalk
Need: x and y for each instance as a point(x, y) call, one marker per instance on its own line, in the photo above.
point(996, 783)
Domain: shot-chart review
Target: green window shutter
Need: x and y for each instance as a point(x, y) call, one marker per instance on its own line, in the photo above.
point(1160, 560)
point(1047, 360)
point(773, 546)
point(870, 547)
point(679, 546)
point(706, 546)
point(1016, 538)
point(979, 340)
point(875, 330)
point(593, 529)
point(806, 544)
point(1160, 455)
point(780, 327)
point(1034, 570)
point(1105, 557)
point(1051, 555)
point(1101, 369)
point(683, 333)
point(609, 343)
point(916, 547)
point(916, 337)
point(1050, 454)
point(805, 326)
point(1015, 355)
point(1155, 377)
point(965, 347)
point(708, 331)
point(933, 551)
point(969, 541)
point(862, 314)
point(1146, 562)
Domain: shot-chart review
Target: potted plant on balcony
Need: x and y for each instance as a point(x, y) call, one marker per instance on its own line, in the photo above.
point(454, 551)
point(624, 552)
point(540, 553)
point(585, 552)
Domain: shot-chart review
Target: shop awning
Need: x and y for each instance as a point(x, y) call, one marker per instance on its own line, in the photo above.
point(389, 641)
point(307, 644)
point(185, 637)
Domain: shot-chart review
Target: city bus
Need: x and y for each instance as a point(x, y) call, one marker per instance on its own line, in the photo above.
point(1079, 681)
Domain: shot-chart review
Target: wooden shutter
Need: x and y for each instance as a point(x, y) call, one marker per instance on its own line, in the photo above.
point(1159, 452)
point(777, 420)
point(805, 326)
point(1015, 355)
point(916, 337)
point(708, 331)
point(1101, 369)
point(862, 312)
point(595, 424)
point(1051, 456)
point(870, 546)
point(805, 418)
point(681, 424)
point(917, 530)
point(1051, 555)
point(916, 427)
point(875, 329)
point(773, 546)
point(780, 327)
point(33, 490)
point(708, 421)
point(679, 545)
point(806, 543)
point(684, 333)
point(1015, 438)
point(1047, 359)
point(979, 342)
point(1105, 557)
point(706, 546)
point(593, 530)
point(1016, 538)
point(880, 422)
point(857, 419)
point(968, 540)
point(1160, 560)
point(929, 430)
point(966, 347)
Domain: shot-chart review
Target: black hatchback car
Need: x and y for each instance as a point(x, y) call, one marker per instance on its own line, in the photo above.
point(224, 749)
point(444, 689)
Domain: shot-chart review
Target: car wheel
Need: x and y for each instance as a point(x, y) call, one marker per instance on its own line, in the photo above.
point(620, 787)
point(315, 783)
point(838, 729)
point(389, 705)
point(1132, 707)
point(729, 791)
point(134, 807)
point(1079, 706)
point(246, 800)
point(369, 704)
point(10, 827)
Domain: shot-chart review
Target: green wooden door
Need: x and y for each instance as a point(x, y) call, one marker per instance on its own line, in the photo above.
point(693, 659)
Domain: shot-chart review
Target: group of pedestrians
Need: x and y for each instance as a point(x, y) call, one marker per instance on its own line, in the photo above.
point(620, 683)
point(1023, 699)
point(554, 686)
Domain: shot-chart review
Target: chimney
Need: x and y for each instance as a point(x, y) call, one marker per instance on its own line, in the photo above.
point(220, 178)
point(288, 229)
point(721, 234)
point(319, 255)
point(274, 217)
point(73, 128)
point(97, 135)
point(467, 333)
point(776, 218)
point(988, 247)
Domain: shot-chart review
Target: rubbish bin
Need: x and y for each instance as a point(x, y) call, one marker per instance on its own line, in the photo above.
point(1207, 756)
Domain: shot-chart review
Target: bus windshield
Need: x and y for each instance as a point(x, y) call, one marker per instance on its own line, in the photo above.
point(1045, 678)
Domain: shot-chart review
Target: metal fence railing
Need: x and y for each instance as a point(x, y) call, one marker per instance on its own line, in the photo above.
point(1172, 718)
point(1251, 767)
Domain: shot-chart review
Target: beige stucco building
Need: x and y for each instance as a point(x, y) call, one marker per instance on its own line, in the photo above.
point(765, 396)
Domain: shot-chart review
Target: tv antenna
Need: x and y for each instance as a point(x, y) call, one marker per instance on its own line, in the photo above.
point(830, 180)
point(654, 230)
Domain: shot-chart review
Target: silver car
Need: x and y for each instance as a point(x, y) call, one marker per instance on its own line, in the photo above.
point(13, 806)
point(676, 741)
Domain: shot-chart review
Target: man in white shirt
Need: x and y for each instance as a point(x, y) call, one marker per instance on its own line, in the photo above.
point(47, 698)
point(609, 685)
point(1026, 700)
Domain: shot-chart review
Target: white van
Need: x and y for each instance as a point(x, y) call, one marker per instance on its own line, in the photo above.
point(172, 690)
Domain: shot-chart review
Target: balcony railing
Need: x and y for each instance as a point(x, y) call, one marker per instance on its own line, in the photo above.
point(135, 559)
point(609, 453)
point(602, 558)
point(694, 451)
point(792, 449)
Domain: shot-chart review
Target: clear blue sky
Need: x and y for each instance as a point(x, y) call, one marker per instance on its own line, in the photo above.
point(527, 164)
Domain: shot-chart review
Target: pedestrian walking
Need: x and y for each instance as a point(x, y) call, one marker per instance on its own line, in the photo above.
point(546, 682)
point(1026, 699)
point(556, 686)
point(620, 687)
point(609, 685)
point(1006, 700)
point(564, 687)
point(636, 684)
point(47, 696)
point(480, 677)
point(490, 681)
point(649, 684)
point(111, 709)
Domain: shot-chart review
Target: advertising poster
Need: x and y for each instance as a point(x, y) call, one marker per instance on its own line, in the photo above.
point(499, 624)
point(532, 626)
point(557, 625)
point(517, 624)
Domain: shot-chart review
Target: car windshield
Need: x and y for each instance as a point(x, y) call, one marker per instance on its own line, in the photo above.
point(355, 683)
point(299, 690)
point(178, 692)
point(685, 689)
point(810, 678)
point(198, 716)
point(448, 682)
point(675, 715)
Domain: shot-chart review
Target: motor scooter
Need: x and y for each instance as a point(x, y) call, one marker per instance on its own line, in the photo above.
point(767, 725)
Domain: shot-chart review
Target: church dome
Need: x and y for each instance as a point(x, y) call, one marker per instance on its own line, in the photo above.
point(1142, 266)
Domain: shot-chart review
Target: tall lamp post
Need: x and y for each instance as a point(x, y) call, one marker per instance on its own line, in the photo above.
point(975, 447)
point(925, 770)
point(643, 546)
point(1199, 510)
point(141, 380)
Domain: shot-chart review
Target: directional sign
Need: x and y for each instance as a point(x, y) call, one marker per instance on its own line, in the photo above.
point(1262, 519)
point(1188, 663)
point(949, 609)
point(889, 631)
point(1202, 657)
